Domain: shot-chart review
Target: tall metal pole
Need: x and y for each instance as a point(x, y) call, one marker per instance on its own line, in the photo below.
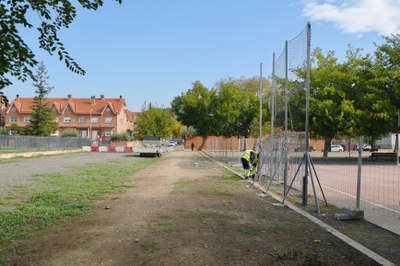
point(272, 117)
point(307, 155)
point(285, 171)
point(359, 173)
point(273, 97)
point(259, 165)
point(261, 103)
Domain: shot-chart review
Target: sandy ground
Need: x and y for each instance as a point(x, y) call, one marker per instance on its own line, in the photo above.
point(187, 210)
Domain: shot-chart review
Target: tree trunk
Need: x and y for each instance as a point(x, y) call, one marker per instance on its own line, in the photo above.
point(327, 146)
point(203, 143)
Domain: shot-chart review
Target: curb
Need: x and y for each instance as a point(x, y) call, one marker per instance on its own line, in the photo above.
point(36, 153)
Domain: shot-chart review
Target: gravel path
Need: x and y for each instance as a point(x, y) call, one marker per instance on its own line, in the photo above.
point(18, 171)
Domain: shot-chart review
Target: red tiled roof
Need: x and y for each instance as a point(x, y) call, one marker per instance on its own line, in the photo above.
point(77, 105)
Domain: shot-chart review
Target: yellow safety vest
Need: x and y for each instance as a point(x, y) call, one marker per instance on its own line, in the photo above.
point(246, 155)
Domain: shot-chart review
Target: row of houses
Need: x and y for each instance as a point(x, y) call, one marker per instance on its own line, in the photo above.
point(96, 118)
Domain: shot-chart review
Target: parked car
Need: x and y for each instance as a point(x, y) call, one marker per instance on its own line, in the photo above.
point(336, 147)
point(366, 147)
point(172, 143)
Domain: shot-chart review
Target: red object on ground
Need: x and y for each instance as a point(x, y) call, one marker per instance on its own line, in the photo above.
point(128, 149)
point(94, 148)
point(112, 149)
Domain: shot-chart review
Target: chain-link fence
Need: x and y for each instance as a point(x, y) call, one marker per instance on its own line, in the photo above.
point(33, 143)
point(347, 177)
point(337, 175)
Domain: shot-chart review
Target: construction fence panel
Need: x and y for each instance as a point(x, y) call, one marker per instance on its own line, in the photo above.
point(337, 174)
point(34, 143)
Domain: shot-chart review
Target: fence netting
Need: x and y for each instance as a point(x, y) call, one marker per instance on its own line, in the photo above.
point(283, 151)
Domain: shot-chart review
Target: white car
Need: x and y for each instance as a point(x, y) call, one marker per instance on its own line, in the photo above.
point(172, 143)
point(366, 147)
point(335, 147)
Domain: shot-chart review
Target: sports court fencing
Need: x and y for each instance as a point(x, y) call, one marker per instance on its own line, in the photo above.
point(337, 174)
point(346, 179)
point(33, 143)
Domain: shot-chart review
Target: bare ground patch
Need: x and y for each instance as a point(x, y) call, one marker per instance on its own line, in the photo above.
point(186, 210)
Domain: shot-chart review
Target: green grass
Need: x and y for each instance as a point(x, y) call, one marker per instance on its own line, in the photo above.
point(207, 214)
point(214, 190)
point(149, 247)
point(166, 223)
point(61, 196)
point(230, 179)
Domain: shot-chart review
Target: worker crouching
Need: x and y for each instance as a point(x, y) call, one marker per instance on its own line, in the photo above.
point(249, 161)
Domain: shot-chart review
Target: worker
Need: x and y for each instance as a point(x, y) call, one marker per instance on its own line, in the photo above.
point(249, 161)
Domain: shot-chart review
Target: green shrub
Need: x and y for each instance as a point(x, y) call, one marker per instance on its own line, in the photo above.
point(121, 137)
point(18, 130)
point(70, 132)
point(3, 131)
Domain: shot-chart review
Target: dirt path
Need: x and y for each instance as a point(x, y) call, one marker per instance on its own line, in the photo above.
point(110, 231)
point(186, 210)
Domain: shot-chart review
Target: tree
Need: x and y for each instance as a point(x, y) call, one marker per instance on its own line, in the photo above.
point(154, 121)
point(188, 132)
point(387, 63)
point(196, 108)
point(176, 129)
point(349, 99)
point(16, 57)
point(43, 119)
point(237, 109)
point(227, 110)
point(376, 112)
point(331, 113)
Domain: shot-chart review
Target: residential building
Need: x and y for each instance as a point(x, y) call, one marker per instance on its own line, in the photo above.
point(94, 118)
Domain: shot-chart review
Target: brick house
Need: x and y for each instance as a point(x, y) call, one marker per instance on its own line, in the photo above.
point(94, 118)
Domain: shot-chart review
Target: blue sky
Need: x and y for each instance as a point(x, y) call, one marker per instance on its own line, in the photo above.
point(153, 50)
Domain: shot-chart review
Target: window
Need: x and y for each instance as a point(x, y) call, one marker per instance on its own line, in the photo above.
point(108, 109)
point(67, 120)
point(53, 109)
point(56, 119)
point(82, 120)
point(13, 109)
point(108, 133)
point(94, 120)
point(108, 120)
point(13, 119)
point(27, 119)
point(68, 109)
